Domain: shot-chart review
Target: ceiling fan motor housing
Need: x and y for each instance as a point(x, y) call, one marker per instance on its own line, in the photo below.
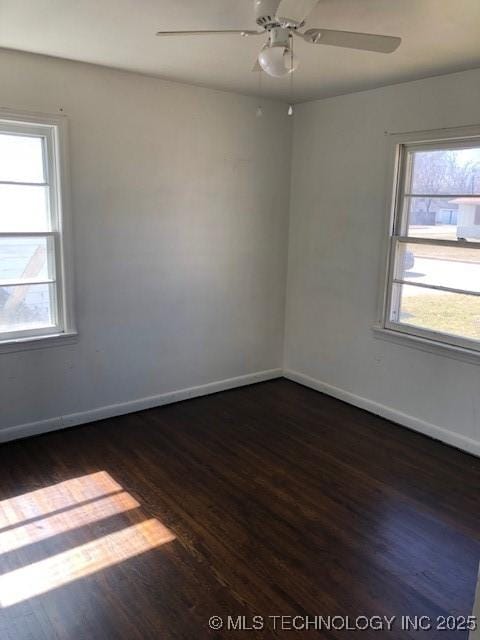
point(265, 13)
point(279, 37)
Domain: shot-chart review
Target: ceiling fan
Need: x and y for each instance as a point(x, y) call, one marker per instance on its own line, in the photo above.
point(280, 20)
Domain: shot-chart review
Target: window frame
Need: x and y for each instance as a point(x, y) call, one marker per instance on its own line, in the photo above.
point(402, 333)
point(53, 131)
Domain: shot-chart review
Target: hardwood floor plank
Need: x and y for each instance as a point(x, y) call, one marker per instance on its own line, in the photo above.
point(267, 500)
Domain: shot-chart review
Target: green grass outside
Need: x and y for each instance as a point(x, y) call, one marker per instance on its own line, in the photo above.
point(448, 313)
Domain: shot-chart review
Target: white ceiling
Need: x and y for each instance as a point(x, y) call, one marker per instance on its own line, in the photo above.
point(439, 36)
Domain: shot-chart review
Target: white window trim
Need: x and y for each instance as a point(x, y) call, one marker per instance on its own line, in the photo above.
point(425, 340)
point(55, 130)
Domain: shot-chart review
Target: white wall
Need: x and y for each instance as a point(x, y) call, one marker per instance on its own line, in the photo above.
point(180, 214)
point(180, 207)
point(339, 200)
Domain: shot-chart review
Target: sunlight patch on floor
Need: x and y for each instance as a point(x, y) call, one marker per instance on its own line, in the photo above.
point(56, 497)
point(58, 509)
point(14, 538)
point(82, 561)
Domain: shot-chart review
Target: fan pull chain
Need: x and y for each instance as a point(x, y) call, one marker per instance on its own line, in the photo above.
point(259, 112)
point(290, 107)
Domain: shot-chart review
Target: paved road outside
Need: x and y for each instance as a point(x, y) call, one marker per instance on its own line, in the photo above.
point(447, 273)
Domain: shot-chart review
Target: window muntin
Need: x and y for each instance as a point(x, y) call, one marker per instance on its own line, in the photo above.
point(434, 275)
point(31, 240)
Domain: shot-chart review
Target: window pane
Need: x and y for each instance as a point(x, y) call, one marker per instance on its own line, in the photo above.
point(452, 313)
point(452, 267)
point(446, 171)
point(26, 259)
point(27, 307)
point(24, 208)
point(21, 158)
point(443, 218)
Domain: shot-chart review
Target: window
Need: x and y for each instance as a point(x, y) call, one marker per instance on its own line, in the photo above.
point(433, 288)
point(34, 302)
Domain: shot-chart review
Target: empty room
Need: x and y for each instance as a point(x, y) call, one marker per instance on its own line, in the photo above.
point(239, 319)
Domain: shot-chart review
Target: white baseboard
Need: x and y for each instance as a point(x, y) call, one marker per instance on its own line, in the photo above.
point(111, 411)
point(449, 437)
point(83, 417)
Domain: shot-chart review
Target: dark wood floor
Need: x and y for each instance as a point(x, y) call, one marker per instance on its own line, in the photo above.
point(271, 500)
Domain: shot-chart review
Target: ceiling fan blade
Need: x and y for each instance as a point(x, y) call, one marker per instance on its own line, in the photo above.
point(242, 32)
point(295, 11)
point(353, 40)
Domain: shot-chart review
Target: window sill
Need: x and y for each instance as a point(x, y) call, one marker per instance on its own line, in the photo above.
point(38, 342)
point(425, 344)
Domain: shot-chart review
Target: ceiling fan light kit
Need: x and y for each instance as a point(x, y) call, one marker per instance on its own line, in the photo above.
point(276, 56)
point(280, 20)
